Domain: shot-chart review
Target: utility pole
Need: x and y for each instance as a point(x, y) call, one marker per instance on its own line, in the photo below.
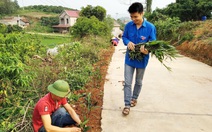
point(117, 16)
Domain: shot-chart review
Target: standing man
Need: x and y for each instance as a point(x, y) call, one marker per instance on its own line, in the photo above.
point(49, 116)
point(136, 31)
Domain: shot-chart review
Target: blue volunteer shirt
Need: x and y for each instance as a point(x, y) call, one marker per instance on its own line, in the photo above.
point(147, 32)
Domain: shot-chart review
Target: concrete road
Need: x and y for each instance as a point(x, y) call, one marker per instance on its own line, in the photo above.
point(177, 101)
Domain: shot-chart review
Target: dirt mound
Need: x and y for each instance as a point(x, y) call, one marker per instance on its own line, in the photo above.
point(200, 46)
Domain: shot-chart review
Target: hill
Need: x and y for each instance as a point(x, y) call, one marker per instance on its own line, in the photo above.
point(35, 19)
point(37, 14)
point(200, 46)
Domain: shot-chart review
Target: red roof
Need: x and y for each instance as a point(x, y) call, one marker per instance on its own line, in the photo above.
point(25, 20)
point(72, 13)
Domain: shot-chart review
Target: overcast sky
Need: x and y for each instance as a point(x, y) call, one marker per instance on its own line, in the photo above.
point(116, 8)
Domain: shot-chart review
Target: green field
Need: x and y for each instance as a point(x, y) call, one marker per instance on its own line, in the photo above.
point(52, 41)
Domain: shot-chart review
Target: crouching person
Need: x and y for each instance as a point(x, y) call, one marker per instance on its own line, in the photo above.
point(48, 116)
point(115, 41)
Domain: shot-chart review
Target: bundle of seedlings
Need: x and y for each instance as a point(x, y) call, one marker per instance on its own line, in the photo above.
point(162, 50)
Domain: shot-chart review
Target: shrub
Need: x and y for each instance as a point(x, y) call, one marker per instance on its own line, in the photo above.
point(89, 26)
point(167, 30)
point(16, 78)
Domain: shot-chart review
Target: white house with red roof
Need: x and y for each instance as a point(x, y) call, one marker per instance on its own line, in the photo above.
point(20, 21)
point(66, 20)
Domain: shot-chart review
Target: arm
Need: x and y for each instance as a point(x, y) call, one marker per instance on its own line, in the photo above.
point(126, 41)
point(152, 37)
point(46, 119)
point(73, 114)
point(125, 36)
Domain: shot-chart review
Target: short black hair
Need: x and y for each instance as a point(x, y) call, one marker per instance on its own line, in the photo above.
point(136, 7)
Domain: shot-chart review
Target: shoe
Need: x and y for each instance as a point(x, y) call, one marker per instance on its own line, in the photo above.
point(133, 102)
point(126, 110)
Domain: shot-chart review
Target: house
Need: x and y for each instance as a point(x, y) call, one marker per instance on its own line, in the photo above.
point(66, 20)
point(23, 22)
point(116, 29)
point(20, 21)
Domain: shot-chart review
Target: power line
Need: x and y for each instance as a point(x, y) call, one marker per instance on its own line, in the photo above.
point(51, 2)
point(144, 2)
point(65, 2)
point(44, 2)
point(55, 2)
point(129, 2)
point(61, 3)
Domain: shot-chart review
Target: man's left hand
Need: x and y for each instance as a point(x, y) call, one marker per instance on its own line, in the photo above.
point(143, 50)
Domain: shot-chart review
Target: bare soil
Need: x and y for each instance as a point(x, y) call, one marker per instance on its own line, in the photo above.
point(96, 88)
point(201, 46)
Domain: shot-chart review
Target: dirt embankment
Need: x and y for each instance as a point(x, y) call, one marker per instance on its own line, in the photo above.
point(200, 47)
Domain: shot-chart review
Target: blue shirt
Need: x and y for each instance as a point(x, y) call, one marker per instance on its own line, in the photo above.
point(147, 32)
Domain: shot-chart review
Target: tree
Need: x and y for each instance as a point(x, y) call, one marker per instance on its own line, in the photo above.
point(188, 10)
point(49, 9)
point(49, 21)
point(149, 6)
point(89, 11)
point(155, 16)
point(90, 26)
point(120, 22)
point(8, 7)
point(99, 12)
point(15, 3)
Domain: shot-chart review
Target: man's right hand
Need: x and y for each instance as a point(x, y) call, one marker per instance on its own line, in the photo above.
point(131, 46)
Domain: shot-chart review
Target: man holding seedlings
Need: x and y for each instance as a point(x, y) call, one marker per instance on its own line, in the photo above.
point(49, 116)
point(136, 31)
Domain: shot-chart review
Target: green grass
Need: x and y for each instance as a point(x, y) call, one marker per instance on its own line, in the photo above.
point(52, 41)
point(35, 13)
point(208, 40)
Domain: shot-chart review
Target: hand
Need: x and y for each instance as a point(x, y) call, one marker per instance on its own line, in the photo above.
point(131, 46)
point(143, 50)
point(75, 129)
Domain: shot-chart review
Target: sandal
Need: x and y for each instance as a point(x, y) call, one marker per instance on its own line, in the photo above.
point(133, 102)
point(126, 111)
